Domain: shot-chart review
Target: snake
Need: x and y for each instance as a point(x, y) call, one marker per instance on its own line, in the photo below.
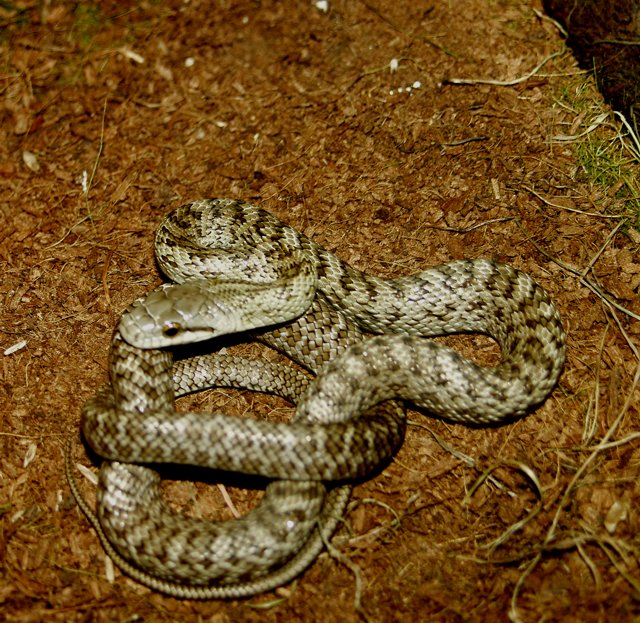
point(267, 548)
point(235, 267)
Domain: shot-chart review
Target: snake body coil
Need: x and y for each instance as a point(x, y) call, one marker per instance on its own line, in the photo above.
point(236, 267)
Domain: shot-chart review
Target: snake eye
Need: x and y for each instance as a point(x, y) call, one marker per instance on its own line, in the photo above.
point(171, 329)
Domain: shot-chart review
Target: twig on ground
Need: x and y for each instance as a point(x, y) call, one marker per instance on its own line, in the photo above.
point(575, 210)
point(591, 285)
point(505, 83)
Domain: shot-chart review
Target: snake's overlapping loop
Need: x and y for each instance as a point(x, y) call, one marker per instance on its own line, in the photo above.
point(217, 236)
point(277, 540)
point(267, 548)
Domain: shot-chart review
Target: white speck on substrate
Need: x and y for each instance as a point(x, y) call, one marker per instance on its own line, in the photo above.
point(31, 160)
point(131, 55)
point(189, 62)
point(15, 348)
point(30, 454)
point(408, 89)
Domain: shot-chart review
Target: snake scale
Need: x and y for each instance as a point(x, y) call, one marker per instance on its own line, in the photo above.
point(234, 267)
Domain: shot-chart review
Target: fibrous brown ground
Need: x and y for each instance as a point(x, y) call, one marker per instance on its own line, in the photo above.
point(112, 113)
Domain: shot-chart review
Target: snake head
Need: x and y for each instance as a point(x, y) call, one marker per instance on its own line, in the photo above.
point(201, 308)
point(175, 314)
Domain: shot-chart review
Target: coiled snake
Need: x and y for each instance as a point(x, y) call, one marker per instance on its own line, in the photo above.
point(237, 268)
